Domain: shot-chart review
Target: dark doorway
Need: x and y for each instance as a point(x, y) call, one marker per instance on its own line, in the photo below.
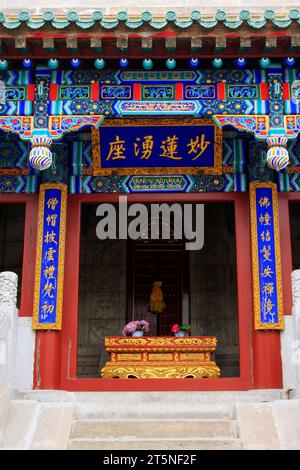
point(295, 233)
point(12, 224)
point(152, 262)
point(200, 287)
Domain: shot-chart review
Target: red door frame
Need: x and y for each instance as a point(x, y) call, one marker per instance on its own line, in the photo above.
point(30, 231)
point(69, 380)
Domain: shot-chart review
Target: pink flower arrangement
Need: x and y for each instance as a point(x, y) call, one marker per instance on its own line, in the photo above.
point(138, 325)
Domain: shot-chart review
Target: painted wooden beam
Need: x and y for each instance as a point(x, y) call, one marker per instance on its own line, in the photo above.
point(147, 44)
point(72, 43)
point(122, 44)
point(220, 43)
point(295, 42)
point(171, 44)
point(245, 43)
point(48, 44)
point(96, 44)
point(196, 44)
point(20, 43)
point(270, 44)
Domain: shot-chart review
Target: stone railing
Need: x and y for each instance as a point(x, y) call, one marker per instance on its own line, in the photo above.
point(16, 338)
point(8, 341)
point(8, 327)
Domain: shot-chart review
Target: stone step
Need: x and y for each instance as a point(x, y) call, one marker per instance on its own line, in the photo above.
point(156, 444)
point(162, 429)
point(19, 422)
point(152, 409)
point(4, 408)
point(177, 399)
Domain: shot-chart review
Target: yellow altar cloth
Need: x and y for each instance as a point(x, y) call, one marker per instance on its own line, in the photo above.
point(160, 357)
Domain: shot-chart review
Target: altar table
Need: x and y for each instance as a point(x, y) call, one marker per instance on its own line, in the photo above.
point(160, 357)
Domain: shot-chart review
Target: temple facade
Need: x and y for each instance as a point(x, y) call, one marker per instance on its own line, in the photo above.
point(176, 107)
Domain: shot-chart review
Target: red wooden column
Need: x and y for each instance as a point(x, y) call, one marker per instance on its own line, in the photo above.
point(266, 344)
point(50, 260)
point(267, 367)
point(47, 364)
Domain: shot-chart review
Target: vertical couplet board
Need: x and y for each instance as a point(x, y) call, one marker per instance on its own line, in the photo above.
point(266, 264)
point(50, 257)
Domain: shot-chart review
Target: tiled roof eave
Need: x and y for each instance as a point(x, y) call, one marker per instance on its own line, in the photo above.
point(230, 21)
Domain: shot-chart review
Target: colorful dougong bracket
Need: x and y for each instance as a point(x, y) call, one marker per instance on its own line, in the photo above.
point(40, 156)
point(277, 155)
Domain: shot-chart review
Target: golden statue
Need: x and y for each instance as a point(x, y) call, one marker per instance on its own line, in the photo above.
point(156, 304)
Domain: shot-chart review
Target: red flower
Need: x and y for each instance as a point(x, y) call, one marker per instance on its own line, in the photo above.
point(175, 328)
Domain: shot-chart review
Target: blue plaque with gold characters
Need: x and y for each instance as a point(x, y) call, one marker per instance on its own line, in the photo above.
point(268, 303)
point(49, 270)
point(157, 146)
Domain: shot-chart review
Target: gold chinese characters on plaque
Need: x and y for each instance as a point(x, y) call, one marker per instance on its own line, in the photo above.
point(159, 146)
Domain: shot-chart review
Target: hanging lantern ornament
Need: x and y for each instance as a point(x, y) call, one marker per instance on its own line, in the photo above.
point(40, 157)
point(123, 63)
point(194, 63)
point(277, 154)
point(53, 64)
point(265, 62)
point(290, 61)
point(170, 64)
point(75, 63)
point(217, 62)
point(148, 64)
point(99, 64)
point(240, 62)
point(27, 63)
point(3, 64)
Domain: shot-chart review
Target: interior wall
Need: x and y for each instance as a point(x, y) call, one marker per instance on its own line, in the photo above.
point(213, 286)
point(102, 293)
point(213, 290)
point(12, 224)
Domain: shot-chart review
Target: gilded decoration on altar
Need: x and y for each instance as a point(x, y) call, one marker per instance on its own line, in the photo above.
point(160, 357)
point(157, 146)
point(266, 264)
point(50, 257)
